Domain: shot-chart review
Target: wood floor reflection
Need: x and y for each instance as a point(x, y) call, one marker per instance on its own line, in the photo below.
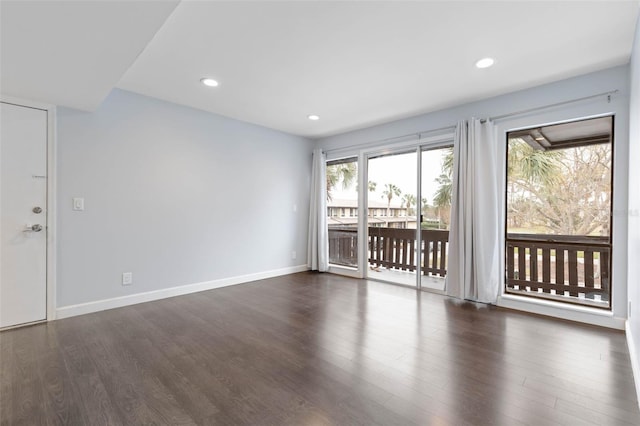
point(315, 349)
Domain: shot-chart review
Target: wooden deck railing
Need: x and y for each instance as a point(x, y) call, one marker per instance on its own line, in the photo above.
point(396, 249)
point(547, 265)
point(392, 248)
point(343, 246)
point(560, 265)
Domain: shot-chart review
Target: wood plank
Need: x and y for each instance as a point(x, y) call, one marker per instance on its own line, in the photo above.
point(443, 257)
point(605, 265)
point(533, 263)
point(546, 265)
point(433, 254)
point(573, 271)
point(510, 262)
point(404, 259)
point(588, 269)
point(412, 253)
point(522, 262)
point(320, 348)
point(560, 267)
point(558, 287)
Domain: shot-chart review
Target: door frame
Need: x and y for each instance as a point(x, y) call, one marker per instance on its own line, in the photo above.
point(418, 144)
point(616, 317)
point(51, 197)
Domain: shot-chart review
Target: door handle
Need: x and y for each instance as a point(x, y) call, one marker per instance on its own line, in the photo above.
point(33, 228)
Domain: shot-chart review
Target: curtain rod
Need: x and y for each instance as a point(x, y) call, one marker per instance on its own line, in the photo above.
point(571, 101)
point(390, 140)
point(484, 120)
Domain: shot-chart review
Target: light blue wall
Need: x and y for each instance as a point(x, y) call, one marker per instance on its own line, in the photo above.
point(602, 81)
point(634, 203)
point(586, 85)
point(175, 195)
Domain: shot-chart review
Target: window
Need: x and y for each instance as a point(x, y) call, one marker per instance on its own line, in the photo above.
point(558, 203)
point(342, 199)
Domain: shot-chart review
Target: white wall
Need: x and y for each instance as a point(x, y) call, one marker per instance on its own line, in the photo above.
point(633, 327)
point(175, 195)
point(611, 79)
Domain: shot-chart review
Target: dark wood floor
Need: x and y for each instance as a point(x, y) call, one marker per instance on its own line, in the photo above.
point(315, 349)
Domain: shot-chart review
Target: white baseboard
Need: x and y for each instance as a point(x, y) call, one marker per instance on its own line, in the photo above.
point(118, 302)
point(633, 354)
point(582, 314)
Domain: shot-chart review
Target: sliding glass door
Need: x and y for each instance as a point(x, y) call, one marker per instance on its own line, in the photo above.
point(408, 209)
point(392, 219)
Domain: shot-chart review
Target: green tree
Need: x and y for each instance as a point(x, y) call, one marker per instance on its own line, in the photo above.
point(425, 206)
point(565, 192)
point(533, 166)
point(390, 191)
point(408, 201)
point(442, 198)
point(344, 173)
point(370, 185)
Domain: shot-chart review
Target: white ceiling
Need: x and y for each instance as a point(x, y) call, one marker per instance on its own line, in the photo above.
point(73, 53)
point(355, 64)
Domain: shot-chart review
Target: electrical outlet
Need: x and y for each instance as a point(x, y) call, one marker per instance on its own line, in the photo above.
point(294, 255)
point(127, 278)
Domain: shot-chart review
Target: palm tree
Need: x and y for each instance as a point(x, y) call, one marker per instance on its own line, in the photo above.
point(409, 200)
point(343, 172)
point(425, 206)
point(389, 191)
point(532, 165)
point(371, 186)
point(447, 161)
point(442, 197)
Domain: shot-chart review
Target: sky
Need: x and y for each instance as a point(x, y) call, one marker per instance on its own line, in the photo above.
point(401, 171)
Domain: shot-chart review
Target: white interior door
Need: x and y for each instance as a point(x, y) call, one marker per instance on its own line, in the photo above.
point(23, 203)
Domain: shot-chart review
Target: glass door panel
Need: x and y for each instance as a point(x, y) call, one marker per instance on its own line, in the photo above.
point(393, 253)
point(342, 212)
point(436, 169)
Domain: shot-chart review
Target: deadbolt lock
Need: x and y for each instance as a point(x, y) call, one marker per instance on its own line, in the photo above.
point(37, 210)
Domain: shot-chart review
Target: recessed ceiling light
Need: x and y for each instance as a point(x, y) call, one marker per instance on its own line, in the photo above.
point(313, 117)
point(209, 82)
point(485, 63)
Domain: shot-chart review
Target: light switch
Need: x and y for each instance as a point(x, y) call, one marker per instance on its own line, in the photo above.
point(78, 204)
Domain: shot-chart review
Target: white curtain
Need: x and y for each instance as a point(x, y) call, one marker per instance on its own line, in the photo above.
point(318, 244)
point(474, 238)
